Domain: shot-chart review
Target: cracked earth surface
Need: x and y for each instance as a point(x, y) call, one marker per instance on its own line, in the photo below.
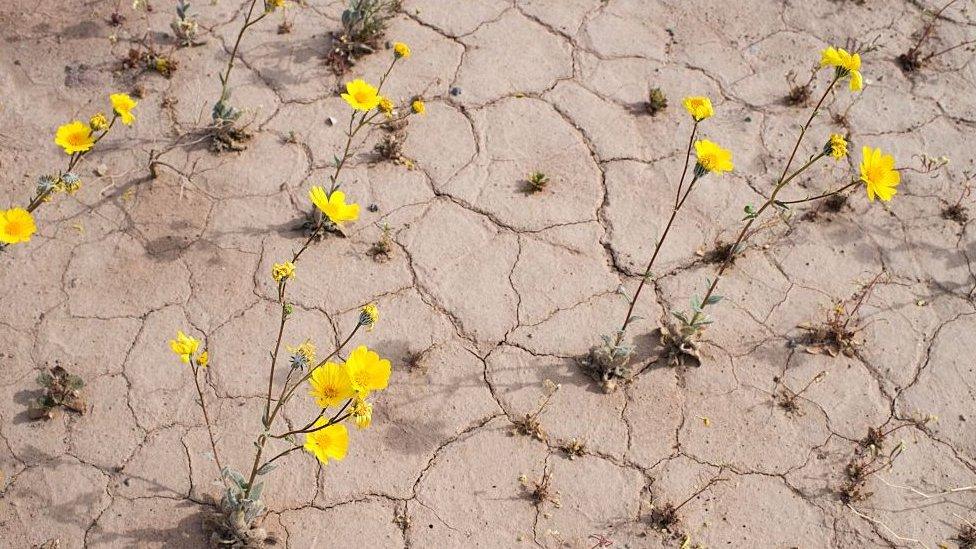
point(489, 291)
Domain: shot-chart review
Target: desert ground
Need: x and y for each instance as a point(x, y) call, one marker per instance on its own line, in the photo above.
point(487, 292)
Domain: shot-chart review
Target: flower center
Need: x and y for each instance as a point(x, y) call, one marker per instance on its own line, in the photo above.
point(362, 96)
point(77, 138)
point(15, 228)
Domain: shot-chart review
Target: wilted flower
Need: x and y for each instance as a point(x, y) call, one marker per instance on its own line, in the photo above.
point(362, 412)
point(836, 146)
point(281, 271)
point(401, 50)
point(418, 106)
point(369, 315)
point(98, 122)
point(203, 359)
point(303, 355)
point(386, 106)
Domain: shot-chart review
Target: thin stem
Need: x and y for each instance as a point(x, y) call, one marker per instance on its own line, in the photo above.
point(678, 202)
point(237, 43)
point(281, 455)
point(819, 196)
point(783, 181)
point(206, 419)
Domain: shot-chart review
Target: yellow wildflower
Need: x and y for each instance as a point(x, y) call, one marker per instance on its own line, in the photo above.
point(281, 271)
point(699, 108)
point(75, 136)
point(334, 205)
point(845, 63)
point(16, 225)
point(401, 50)
point(203, 359)
point(418, 106)
point(386, 106)
point(331, 384)
point(361, 96)
point(184, 345)
point(836, 146)
point(122, 104)
point(362, 412)
point(271, 5)
point(369, 315)
point(368, 371)
point(712, 158)
point(328, 442)
point(879, 174)
point(98, 122)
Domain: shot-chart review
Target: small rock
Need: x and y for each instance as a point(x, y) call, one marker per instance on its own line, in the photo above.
point(101, 170)
point(330, 121)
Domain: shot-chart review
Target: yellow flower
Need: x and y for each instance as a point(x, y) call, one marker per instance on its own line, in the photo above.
point(184, 345)
point(203, 359)
point(16, 225)
point(699, 108)
point(879, 174)
point(418, 106)
point(846, 64)
point(122, 104)
point(75, 136)
point(362, 412)
point(368, 371)
point(401, 50)
point(98, 122)
point(712, 158)
point(303, 355)
point(334, 205)
point(386, 106)
point(271, 5)
point(331, 385)
point(281, 271)
point(328, 442)
point(836, 146)
point(361, 96)
point(369, 315)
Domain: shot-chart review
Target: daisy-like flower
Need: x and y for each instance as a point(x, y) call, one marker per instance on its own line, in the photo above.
point(122, 104)
point(368, 371)
point(711, 158)
point(331, 385)
point(401, 50)
point(386, 106)
point(361, 95)
point(334, 205)
point(281, 271)
point(184, 346)
point(330, 442)
point(699, 108)
point(836, 146)
point(368, 315)
point(16, 225)
point(98, 122)
point(418, 106)
point(362, 412)
point(845, 64)
point(879, 174)
point(74, 137)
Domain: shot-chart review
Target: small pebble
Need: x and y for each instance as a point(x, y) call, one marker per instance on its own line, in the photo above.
point(455, 91)
point(330, 121)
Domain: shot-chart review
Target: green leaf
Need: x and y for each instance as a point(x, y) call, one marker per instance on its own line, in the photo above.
point(713, 299)
point(266, 468)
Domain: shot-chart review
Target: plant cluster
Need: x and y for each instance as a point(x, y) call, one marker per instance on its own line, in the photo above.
point(76, 139)
point(61, 390)
point(914, 59)
point(788, 399)
point(680, 336)
point(339, 383)
point(364, 23)
point(840, 332)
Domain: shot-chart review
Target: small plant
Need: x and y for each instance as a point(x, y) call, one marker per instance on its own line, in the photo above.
point(540, 492)
point(656, 101)
point(573, 448)
point(340, 387)
point(839, 334)
point(536, 182)
point(665, 517)
point(363, 24)
point(529, 425)
point(913, 59)
point(185, 27)
point(61, 390)
point(966, 536)
point(225, 133)
point(789, 399)
point(382, 249)
point(799, 94)
point(861, 468)
point(957, 211)
point(77, 139)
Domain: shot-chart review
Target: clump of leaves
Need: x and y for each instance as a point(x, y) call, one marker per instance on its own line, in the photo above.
point(529, 425)
point(573, 448)
point(656, 101)
point(185, 26)
point(608, 363)
point(540, 491)
point(862, 467)
point(225, 134)
point(382, 249)
point(957, 211)
point(363, 24)
point(799, 94)
point(233, 526)
point(536, 182)
point(390, 147)
point(61, 390)
point(789, 399)
point(146, 58)
point(840, 332)
point(966, 537)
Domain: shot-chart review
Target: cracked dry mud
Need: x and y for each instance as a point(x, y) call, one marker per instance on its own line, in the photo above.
point(489, 291)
